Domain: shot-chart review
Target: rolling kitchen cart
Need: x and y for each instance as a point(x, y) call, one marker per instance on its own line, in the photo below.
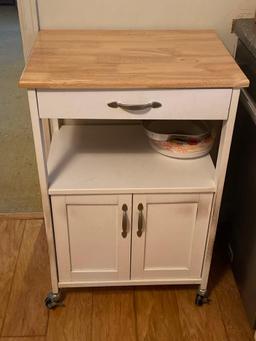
point(117, 212)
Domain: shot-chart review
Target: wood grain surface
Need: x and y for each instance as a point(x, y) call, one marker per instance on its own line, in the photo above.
point(233, 314)
point(159, 313)
point(20, 338)
point(73, 320)
point(113, 316)
point(200, 324)
point(11, 236)
point(26, 314)
point(115, 59)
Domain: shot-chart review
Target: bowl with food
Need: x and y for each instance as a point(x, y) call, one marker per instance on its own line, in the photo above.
point(180, 139)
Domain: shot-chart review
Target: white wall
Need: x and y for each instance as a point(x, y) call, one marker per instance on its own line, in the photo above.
point(155, 14)
point(28, 24)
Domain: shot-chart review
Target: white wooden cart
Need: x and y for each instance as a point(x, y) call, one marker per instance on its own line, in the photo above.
point(116, 212)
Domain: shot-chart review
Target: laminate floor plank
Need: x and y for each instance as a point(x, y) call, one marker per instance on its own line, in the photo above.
point(11, 233)
point(107, 314)
point(72, 322)
point(113, 315)
point(26, 314)
point(199, 323)
point(20, 338)
point(157, 314)
point(232, 310)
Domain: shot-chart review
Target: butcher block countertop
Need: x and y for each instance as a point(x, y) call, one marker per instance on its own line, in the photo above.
point(129, 59)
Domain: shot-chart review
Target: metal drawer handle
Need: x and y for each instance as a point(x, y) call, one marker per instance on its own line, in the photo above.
point(140, 220)
point(135, 107)
point(124, 221)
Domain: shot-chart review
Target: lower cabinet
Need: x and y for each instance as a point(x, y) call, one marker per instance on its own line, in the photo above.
point(174, 230)
point(89, 237)
point(108, 238)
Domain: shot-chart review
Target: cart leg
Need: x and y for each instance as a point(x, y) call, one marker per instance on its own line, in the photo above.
point(42, 143)
point(221, 166)
point(201, 297)
point(53, 300)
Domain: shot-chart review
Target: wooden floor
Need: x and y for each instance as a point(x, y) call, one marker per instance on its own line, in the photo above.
point(146, 313)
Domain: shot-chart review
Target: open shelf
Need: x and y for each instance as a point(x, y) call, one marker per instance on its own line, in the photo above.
point(118, 159)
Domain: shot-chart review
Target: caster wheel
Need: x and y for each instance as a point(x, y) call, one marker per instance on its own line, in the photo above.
point(52, 301)
point(200, 300)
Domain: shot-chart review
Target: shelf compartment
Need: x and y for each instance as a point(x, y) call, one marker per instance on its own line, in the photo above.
point(100, 159)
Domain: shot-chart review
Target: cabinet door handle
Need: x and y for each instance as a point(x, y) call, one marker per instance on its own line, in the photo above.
point(135, 107)
point(124, 221)
point(140, 220)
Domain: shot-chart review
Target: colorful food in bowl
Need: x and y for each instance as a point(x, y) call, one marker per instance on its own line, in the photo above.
point(180, 139)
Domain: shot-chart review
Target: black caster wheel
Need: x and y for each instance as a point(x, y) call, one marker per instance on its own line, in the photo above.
point(201, 299)
point(52, 300)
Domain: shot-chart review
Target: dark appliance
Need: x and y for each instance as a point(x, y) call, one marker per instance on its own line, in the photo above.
point(240, 188)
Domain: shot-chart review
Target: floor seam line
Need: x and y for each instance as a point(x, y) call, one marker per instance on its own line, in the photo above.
point(135, 315)
point(12, 280)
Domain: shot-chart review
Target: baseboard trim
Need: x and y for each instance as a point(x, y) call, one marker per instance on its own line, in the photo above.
point(22, 215)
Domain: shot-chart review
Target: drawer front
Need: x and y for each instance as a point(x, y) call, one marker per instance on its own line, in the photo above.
point(212, 104)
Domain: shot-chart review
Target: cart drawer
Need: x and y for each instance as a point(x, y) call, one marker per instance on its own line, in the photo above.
point(212, 104)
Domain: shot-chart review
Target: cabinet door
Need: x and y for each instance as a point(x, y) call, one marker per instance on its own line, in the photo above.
point(169, 235)
point(91, 241)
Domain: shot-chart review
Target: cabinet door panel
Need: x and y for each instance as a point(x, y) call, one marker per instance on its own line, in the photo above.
point(99, 237)
point(182, 229)
point(173, 237)
point(89, 241)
